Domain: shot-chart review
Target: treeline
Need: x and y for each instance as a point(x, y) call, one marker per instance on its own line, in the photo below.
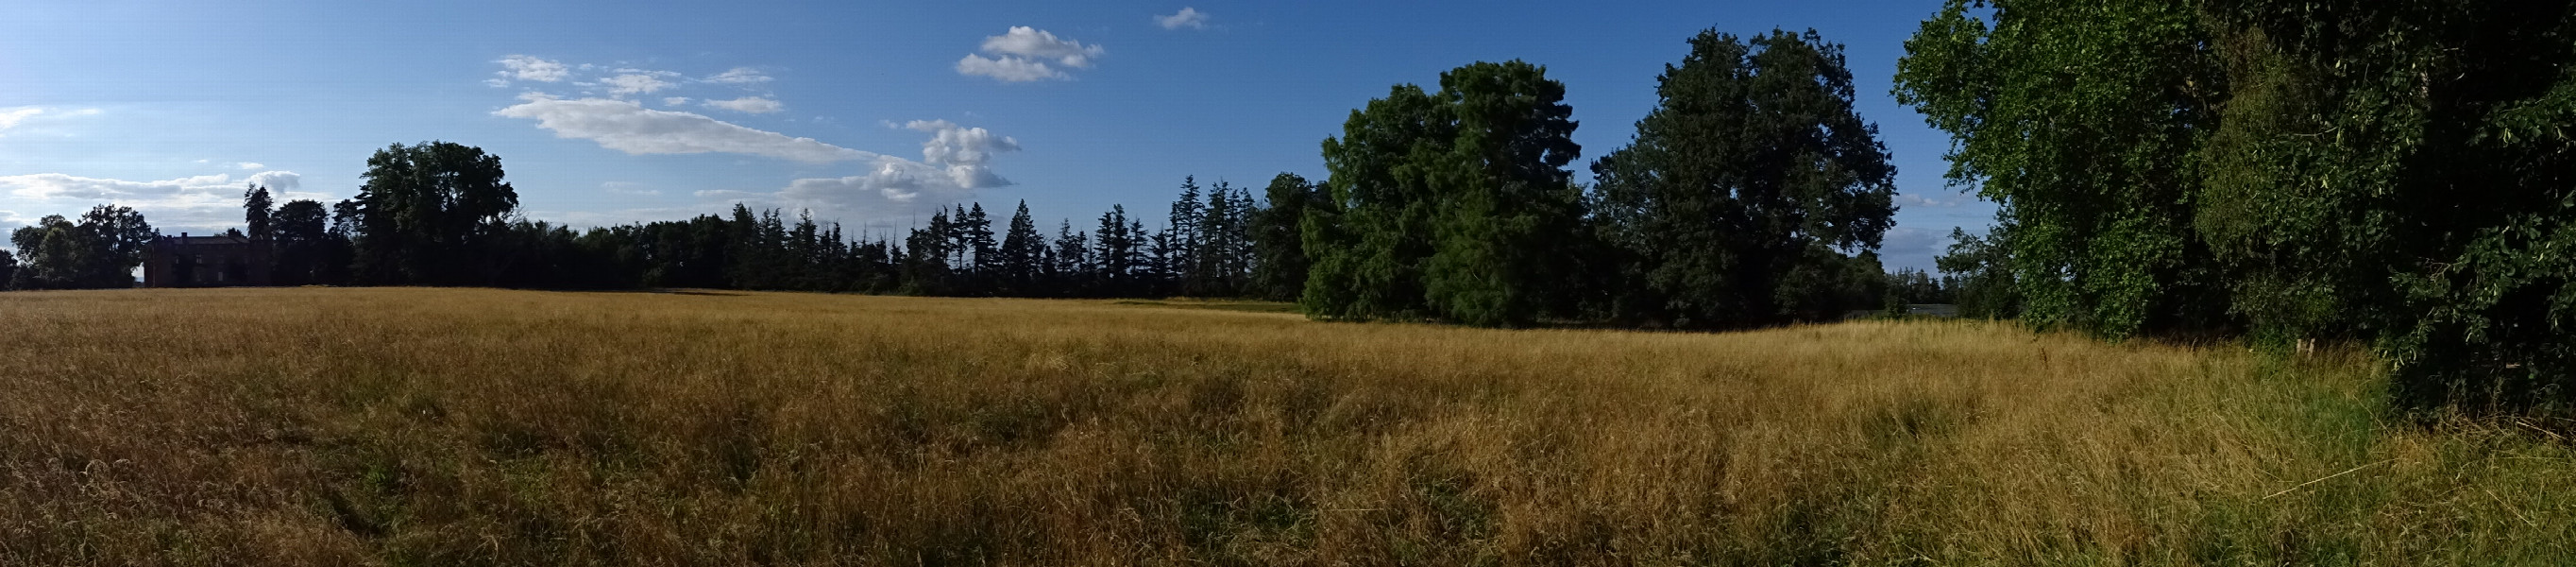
point(439, 213)
point(1753, 195)
point(2398, 174)
point(100, 249)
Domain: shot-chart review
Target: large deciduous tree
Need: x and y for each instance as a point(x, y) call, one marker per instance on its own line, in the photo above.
point(427, 212)
point(1278, 244)
point(1733, 204)
point(2394, 172)
point(99, 251)
point(1453, 204)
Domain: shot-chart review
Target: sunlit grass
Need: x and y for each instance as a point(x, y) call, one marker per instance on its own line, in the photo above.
point(440, 427)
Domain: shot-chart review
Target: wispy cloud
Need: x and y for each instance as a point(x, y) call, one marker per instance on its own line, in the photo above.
point(629, 127)
point(201, 202)
point(11, 118)
point(739, 76)
point(749, 104)
point(635, 83)
point(1186, 18)
point(525, 68)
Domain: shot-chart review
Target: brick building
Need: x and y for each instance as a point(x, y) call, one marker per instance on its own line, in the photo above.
point(206, 261)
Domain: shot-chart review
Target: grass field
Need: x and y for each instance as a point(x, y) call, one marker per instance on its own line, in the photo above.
point(482, 427)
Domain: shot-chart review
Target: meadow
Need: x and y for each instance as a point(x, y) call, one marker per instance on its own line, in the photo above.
point(391, 426)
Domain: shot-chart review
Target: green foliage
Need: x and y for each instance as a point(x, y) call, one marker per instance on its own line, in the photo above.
point(428, 212)
point(1753, 168)
point(257, 206)
point(1279, 252)
point(2394, 172)
point(2082, 119)
point(1982, 266)
point(99, 251)
point(1454, 204)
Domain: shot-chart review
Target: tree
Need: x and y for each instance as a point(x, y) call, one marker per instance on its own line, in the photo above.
point(1453, 204)
point(8, 270)
point(256, 206)
point(302, 242)
point(426, 213)
point(1023, 253)
point(1278, 247)
point(1120, 251)
point(1753, 169)
point(1179, 250)
point(1072, 268)
point(978, 232)
point(99, 251)
point(1982, 268)
point(2083, 120)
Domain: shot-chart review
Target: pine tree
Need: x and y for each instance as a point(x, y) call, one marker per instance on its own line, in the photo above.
point(1023, 250)
point(979, 241)
point(1115, 251)
point(1177, 255)
point(1073, 271)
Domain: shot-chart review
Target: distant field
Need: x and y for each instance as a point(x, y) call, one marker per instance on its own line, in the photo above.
point(482, 427)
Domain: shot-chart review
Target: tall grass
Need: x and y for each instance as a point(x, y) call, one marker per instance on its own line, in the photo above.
point(454, 427)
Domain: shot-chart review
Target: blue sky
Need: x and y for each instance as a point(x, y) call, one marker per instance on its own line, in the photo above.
point(866, 113)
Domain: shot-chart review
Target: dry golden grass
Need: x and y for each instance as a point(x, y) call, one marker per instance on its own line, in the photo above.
point(483, 427)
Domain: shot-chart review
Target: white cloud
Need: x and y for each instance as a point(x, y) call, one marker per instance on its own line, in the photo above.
point(739, 76)
point(1911, 200)
point(527, 68)
point(1031, 42)
point(1008, 68)
point(958, 146)
point(278, 181)
point(250, 165)
point(750, 104)
point(1186, 18)
point(952, 166)
point(629, 127)
point(202, 202)
point(11, 117)
point(675, 101)
point(1028, 54)
point(635, 83)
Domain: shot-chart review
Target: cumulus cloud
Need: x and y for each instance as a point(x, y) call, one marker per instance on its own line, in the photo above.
point(675, 101)
point(959, 146)
point(1035, 43)
point(952, 166)
point(750, 104)
point(1028, 54)
point(635, 83)
point(1186, 18)
point(201, 202)
point(250, 165)
point(278, 181)
point(629, 127)
point(1008, 69)
point(739, 76)
point(527, 68)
